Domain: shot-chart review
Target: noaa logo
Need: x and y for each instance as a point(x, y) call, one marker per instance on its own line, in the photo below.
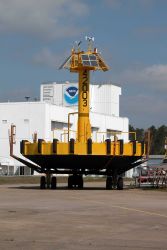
point(71, 95)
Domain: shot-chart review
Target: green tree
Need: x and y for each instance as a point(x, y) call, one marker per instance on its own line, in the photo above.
point(153, 132)
point(139, 133)
point(157, 138)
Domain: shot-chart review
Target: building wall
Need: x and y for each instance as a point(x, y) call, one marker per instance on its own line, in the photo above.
point(104, 99)
point(28, 118)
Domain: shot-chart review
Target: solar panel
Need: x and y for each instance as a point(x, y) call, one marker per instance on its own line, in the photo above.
point(89, 60)
point(94, 63)
point(66, 63)
point(85, 57)
point(86, 63)
point(92, 57)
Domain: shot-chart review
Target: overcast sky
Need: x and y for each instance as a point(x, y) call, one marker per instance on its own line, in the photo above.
point(36, 36)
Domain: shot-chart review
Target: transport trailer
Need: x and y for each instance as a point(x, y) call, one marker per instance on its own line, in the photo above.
point(155, 176)
point(82, 156)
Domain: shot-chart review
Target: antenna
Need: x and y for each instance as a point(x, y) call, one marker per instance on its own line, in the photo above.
point(90, 40)
point(77, 45)
point(27, 98)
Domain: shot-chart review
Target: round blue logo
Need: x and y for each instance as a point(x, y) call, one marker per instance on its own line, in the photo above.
point(71, 95)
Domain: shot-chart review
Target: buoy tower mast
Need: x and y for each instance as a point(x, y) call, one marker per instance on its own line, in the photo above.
point(82, 63)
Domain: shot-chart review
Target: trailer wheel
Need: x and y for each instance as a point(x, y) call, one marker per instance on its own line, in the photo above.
point(109, 183)
point(43, 182)
point(70, 181)
point(80, 182)
point(120, 183)
point(53, 182)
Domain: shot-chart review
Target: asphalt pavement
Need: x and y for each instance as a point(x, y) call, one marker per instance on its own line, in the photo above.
point(92, 218)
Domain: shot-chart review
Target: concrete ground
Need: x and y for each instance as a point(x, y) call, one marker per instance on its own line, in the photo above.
point(93, 218)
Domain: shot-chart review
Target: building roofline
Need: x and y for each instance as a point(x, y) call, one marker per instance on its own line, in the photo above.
point(75, 82)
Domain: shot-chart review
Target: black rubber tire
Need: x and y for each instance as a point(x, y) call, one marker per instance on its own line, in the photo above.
point(70, 181)
point(120, 183)
point(80, 182)
point(109, 183)
point(53, 182)
point(43, 182)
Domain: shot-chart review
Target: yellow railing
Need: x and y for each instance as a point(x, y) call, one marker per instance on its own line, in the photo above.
point(115, 134)
point(67, 132)
point(64, 133)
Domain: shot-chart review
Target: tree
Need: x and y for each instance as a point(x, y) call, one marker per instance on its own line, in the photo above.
point(153, 132)
point(139, 133)
point(157, 138)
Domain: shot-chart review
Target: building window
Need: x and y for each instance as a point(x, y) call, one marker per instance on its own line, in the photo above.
point(4, 121)
point(111, 134)
point(26, 121)
point(59, 130)
point(58, 125)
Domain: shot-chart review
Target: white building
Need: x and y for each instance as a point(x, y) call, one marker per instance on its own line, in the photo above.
point(49, 117)
point(104, 99)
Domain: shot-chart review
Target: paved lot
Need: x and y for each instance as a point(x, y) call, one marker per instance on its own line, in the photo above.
point(93, 218)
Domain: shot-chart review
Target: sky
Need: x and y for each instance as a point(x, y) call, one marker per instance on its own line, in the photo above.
point(37, 35)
